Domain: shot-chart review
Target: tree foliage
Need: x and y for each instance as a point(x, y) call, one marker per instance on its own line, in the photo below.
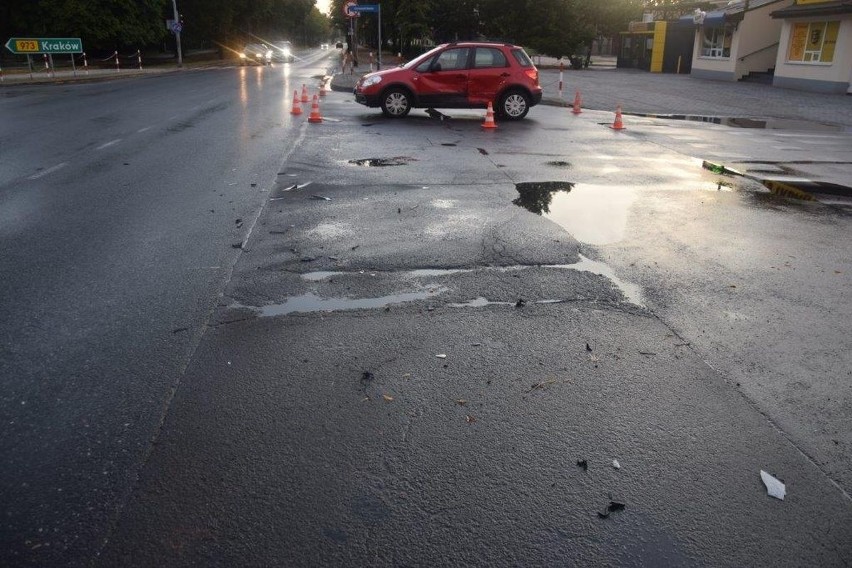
point(554, 27)
point(106, 24)
point(116, 24)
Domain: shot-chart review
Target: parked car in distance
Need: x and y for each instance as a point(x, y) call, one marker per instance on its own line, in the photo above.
point(457, 75)
point(323, 46)
point(259, 53)
point(283, 51)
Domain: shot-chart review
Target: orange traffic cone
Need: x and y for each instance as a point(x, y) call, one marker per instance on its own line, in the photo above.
point(315, 113)
point(577, 102)
point(296, 108)
point(489, 117)
point(618, 124)
point(305, 93)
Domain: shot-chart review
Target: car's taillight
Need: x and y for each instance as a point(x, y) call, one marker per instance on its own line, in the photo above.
point(532, 74)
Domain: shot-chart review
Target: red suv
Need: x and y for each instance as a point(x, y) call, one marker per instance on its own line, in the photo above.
point(456, 75)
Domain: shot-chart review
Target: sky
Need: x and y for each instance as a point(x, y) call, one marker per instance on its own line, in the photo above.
point(324, 6)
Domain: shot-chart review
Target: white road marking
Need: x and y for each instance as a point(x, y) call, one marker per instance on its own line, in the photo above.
point(141, 130)
point(50, 170)
point(108, 144)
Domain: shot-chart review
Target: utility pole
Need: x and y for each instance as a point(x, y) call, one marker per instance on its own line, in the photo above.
point(177, 29)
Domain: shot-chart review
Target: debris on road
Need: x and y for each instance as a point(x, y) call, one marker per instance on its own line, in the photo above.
point(774, 488)
point(320, 198)
point(647, 353)
point(237, 245)
point(441, 356)
point(469, 419)
point(615, 464)
point(461, 402)
point(387, 398)
point(611, 508)
point(588, 348)
point(520, 303)
point(367, 376)
point(583, 464)
point(541, 385)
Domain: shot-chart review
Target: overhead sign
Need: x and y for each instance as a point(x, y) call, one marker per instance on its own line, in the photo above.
point(31, 45)
point(364, 8)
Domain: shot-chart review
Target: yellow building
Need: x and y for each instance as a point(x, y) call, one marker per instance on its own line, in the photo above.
point(815, 48)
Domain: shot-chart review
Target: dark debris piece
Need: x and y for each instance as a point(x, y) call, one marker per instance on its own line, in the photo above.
point(588, 348)
point(367, 376)
point(237, 245)
point(611, 508)
point(520, 303)
point(583, 464)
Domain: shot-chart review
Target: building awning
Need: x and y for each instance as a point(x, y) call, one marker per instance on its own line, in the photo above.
point(821, 9)
point(712, 19)
point(732, 13)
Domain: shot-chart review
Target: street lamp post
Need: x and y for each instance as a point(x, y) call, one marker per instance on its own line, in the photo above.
point(176, 31)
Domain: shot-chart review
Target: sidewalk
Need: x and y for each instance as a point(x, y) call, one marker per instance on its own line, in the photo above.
point(639, 92)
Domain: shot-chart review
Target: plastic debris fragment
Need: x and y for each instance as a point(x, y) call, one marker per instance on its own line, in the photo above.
point(773, 487)
point(615, 464)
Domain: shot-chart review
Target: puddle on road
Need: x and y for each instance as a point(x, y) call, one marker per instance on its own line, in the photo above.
point(593, 214)
point(742, 122)
point(631, 291)
point(382, 162)
point(319, 276)
point(597, 214)
point(310, 302)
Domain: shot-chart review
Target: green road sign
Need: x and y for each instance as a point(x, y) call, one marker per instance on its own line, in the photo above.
point(30, 45)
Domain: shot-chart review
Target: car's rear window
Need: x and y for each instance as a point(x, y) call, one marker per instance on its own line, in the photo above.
point(489, 57)
point(522, 58)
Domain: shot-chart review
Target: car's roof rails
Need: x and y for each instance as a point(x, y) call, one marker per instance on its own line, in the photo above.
point(485, 41)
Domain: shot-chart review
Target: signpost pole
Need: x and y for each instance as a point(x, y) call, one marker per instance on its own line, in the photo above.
point(177, 30)
point(30, 65)
point(73, 66)
point(379, 62)
point(52, 66)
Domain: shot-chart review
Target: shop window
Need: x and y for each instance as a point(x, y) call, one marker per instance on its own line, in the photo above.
point(813, 42)
point(716, 41)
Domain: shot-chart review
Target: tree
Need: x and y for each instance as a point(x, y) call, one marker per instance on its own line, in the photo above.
point(101, 24)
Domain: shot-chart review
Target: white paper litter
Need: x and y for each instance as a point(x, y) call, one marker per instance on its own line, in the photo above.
point(773, 487)
point(441, 356)
point(615, 464)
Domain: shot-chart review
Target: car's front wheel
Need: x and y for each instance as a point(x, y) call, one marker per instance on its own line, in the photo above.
point(396, 102)
point(513, 105)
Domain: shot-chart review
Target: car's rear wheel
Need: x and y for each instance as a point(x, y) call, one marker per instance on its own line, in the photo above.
point(396, 102)
point(514, 105)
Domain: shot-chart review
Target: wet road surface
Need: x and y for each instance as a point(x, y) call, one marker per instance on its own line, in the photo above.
point(409, 361)
point(120, 207)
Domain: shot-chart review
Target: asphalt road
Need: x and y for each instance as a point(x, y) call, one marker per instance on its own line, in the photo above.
point(402, 364)
point(121, 204)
